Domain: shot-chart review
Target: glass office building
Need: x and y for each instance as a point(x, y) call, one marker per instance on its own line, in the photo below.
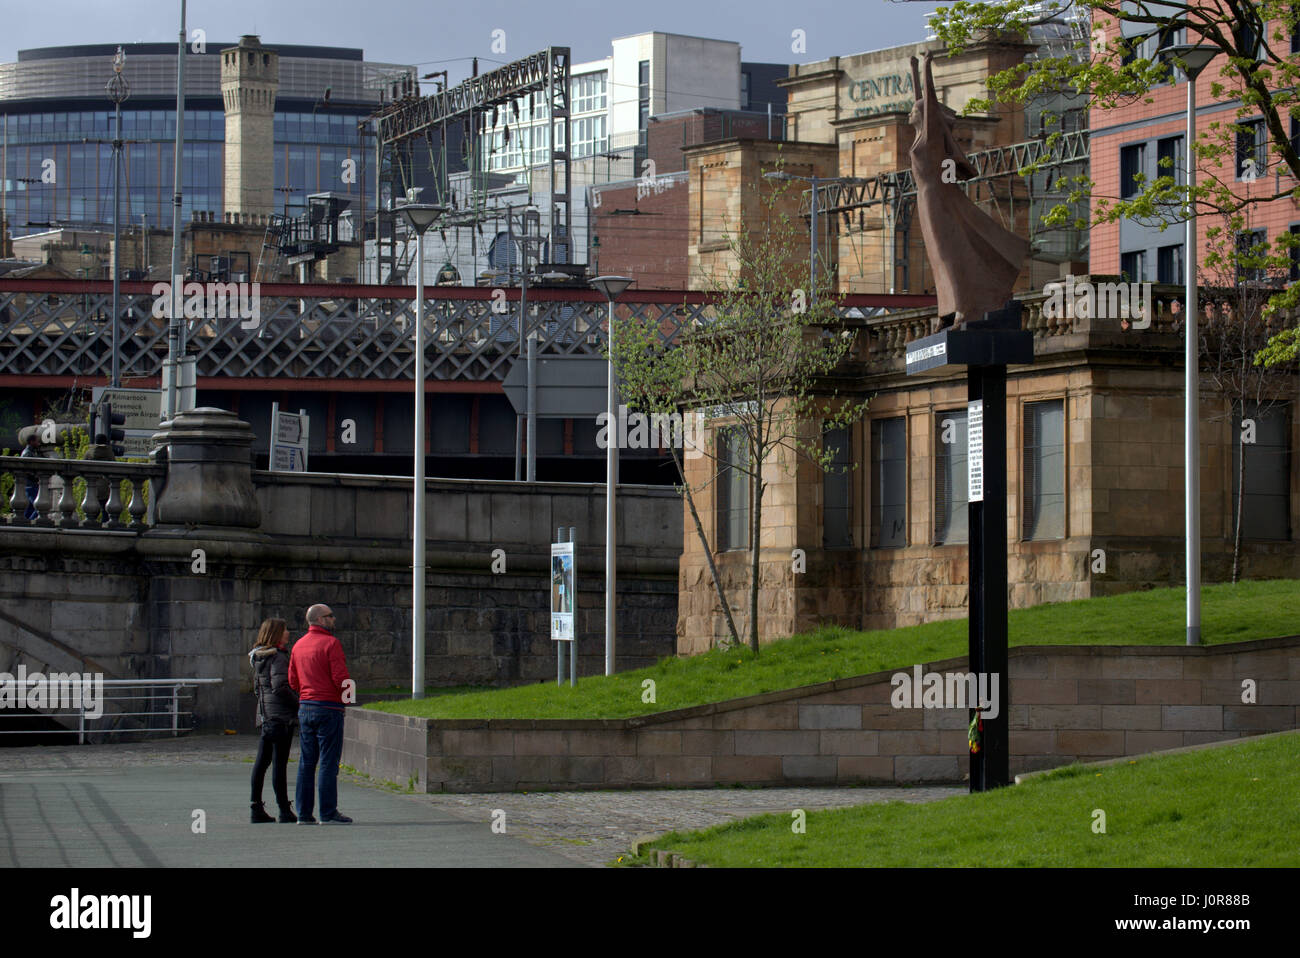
point(58, 123)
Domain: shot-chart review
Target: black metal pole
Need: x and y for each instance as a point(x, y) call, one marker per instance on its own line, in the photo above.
point(990, 766)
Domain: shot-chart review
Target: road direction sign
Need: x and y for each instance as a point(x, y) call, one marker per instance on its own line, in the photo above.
point(142, 407)
point(289, 432)
point(567, 386)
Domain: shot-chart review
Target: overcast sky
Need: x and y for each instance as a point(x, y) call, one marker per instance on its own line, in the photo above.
point(441, 35)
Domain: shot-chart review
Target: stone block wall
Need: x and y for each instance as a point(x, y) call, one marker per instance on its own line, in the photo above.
point(1123, 496)
point(1068, 703)
point(135, 604)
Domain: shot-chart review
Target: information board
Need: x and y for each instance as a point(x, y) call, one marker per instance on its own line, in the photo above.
point(563, 596)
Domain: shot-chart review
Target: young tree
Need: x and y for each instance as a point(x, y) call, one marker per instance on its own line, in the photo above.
point(1234, 330)
point(1117, 63)
point(762, 363)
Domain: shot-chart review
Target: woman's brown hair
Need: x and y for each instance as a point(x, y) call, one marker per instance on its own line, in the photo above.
point(271, 632)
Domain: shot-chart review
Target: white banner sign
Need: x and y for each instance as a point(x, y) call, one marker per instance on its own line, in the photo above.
point(975, 451)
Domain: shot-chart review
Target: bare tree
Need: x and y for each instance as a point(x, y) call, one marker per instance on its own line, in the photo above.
point(1236, 327)
point(761, 364)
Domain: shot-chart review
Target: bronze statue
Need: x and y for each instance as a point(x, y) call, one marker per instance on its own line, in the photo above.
point(975, 260)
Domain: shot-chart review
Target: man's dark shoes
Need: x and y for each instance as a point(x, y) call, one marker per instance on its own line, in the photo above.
point(287, 817)
point(336, 819)
point(306, 820)
point(258, 814)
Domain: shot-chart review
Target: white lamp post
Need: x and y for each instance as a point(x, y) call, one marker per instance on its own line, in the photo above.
point(1191, 60)
point(612, 287)
point(118, 90)
point(420, 216)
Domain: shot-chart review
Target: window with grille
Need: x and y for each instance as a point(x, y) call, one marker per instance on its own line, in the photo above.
point(733, 490)
point(643, 93)
point(1043, 479)
point(1266, 506)
point(1133, 266)
point(1169, 158)
point(950, 513)
point(1132, 160)
point(1252, 149)
point(889, 483)
point(1169, 264)
point(1252, 245)
point(837, 490)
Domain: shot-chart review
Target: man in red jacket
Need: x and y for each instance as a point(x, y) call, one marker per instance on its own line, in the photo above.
point(317, 672)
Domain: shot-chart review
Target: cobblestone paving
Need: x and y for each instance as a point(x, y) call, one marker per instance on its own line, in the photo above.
point(591, 828)
point(594, 828)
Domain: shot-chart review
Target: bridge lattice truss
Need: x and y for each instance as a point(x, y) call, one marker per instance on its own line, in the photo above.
point(61, 328)
point(894, 187)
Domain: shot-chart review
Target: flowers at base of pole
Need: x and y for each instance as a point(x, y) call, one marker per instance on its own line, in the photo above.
point(974, 733)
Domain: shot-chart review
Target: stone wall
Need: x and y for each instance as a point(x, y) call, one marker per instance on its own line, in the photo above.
point(1123, 487)
point(1068, 703)
point(145, 605)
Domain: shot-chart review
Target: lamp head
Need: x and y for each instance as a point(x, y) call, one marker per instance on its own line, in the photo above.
point(1189, 58)
point(420, 215)
point(611, 286)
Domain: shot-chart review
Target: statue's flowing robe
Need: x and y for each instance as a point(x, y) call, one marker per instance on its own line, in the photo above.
point(974, 259)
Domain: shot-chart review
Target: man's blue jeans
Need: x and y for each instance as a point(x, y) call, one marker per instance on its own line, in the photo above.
point(320, 741)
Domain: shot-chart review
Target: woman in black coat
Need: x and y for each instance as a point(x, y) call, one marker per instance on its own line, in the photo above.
point(277, 714)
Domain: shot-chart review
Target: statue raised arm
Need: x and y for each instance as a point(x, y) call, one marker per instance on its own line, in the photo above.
point(974, 259)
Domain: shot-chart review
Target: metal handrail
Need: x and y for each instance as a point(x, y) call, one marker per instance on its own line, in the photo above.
point(176, 686)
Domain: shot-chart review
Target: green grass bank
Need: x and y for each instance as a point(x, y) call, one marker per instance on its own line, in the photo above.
point(1230, 613)
point(1224, 807)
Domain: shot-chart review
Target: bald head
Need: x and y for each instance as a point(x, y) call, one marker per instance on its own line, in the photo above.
point(320, 614)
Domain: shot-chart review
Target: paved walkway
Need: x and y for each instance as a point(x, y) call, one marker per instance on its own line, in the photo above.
point(133, 804)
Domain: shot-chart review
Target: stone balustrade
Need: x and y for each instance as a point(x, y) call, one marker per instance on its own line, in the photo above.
point(58, 503)
point(887, 337)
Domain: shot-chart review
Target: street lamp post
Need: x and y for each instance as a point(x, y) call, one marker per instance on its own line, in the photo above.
point(1191, 60)
point(612, 287)
point(175, 348)
point(420, 216)
point(118, 90)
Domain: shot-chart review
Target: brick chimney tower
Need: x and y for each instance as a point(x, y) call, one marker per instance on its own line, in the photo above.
point(250, 77)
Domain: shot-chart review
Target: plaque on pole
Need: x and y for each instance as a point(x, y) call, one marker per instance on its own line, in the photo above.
point(975, 451)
